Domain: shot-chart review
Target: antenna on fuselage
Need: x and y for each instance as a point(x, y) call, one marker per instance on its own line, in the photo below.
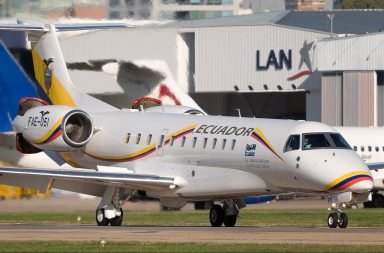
point(239, 113)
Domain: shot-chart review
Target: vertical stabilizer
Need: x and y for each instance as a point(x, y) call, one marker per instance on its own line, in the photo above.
point(49, 65)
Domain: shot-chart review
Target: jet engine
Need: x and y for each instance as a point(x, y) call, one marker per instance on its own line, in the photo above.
point(52, 127)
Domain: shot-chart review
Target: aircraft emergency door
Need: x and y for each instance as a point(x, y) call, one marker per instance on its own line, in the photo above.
point(161, 141)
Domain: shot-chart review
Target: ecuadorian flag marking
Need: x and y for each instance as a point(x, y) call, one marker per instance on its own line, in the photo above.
point(346, 181)
point(146, 151)
point(51, 135)
point(260, 137)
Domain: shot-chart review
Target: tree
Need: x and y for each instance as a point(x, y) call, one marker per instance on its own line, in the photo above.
point(361, 4)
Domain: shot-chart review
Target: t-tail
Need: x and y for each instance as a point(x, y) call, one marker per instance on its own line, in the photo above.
point(50, 68)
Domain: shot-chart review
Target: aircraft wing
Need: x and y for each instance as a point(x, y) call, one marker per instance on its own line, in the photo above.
point(39, 179)
point(375, 166)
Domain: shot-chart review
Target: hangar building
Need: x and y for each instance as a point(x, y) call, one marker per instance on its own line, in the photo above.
point(268, 65)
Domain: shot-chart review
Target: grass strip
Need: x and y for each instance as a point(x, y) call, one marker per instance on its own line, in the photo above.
point(131, 246)
point(281, 217)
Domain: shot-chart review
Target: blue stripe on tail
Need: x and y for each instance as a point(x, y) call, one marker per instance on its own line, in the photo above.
point(14, 85)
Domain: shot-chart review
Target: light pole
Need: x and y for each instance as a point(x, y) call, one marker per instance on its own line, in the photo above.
point(331, 16)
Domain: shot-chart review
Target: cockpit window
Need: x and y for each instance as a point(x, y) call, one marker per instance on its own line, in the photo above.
point(293, 143)
point(314, 141)
point(339, 141)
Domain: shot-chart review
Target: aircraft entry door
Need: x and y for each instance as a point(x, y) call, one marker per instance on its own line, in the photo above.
point(160, 142)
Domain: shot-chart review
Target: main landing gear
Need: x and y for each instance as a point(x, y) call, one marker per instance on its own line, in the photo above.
point(227, 214)
point(110, 209)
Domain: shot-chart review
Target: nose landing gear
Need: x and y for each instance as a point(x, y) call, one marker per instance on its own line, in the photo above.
point(337, 219)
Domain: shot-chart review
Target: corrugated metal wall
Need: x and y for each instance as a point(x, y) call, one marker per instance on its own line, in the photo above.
point(332, 99)
point(226, 56)
point(357, 53)
point(348, 99)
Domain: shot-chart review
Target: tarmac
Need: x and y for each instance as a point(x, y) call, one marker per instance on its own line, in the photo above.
point(310, 235)
point(237, 234)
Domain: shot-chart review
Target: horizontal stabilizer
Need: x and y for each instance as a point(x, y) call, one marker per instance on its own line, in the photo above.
point(33, 25)
point(77, 27)
point(19, 176)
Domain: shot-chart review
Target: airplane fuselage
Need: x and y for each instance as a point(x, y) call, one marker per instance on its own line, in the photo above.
point(218, 157)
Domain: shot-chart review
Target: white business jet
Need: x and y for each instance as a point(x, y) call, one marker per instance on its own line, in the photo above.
point(173, 157)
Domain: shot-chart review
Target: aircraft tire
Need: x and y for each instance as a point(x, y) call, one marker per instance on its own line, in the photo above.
point(332, 220)
point(343, 222)
point(378, 201)
point(100, 218)
point(216, 216)
point(118, 220)
point(230, 221)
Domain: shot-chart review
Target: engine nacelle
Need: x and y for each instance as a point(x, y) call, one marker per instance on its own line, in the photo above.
point(55, 128)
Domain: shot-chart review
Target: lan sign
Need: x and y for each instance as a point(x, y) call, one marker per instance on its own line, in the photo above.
point(272, 60)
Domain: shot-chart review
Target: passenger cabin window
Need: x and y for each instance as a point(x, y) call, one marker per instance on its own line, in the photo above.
point(194, 139)
point(293, 143)
point(315, 141)
point(362, 148)
point(377, 149)
point(138, 138)
point(205, 142)
point(339, 141)
point(172, 140)
point(213, 146)
point(127, 137)
point(233, 144)
point(161, 141)
point(223, 144)
point(369, 148)
point(182, 141)
point(149, 139)
point(354, 148)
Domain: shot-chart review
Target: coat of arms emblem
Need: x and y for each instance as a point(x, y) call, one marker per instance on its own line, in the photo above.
point(48, 75)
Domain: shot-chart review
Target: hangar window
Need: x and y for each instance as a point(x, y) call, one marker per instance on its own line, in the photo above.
point(339, 141)
point(233, 144)
point(293, 143)
point(172, 140)
point(362, 148)
point(138, 138)
point(369, 148)
point(205, 142)
point(315, 141)
point(149, 139)
point(194, 139)
point(182, 141)
point(354, 148)
point(223, 144)
point(213, 146)
point(377, 149)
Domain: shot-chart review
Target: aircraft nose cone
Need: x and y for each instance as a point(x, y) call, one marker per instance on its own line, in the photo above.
point(362, 187)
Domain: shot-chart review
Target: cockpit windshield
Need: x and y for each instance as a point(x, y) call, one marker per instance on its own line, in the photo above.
point(339, 141)
point(314, 141)
point(324, 140)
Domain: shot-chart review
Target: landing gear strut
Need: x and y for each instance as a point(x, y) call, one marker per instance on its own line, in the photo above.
point(338, 218)
point(109, 210)
point(227, 214)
